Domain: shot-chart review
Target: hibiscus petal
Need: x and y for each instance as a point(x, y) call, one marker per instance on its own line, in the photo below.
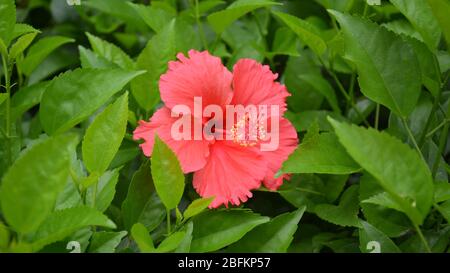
point(230, 173)
point(199, 75)
point(192, 154)
point(288, 141)
point(254, 84)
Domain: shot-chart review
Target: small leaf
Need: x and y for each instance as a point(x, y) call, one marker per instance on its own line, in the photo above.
point(167, 174)
point(197, 206)
point(62, 223)
point(220, 20)
point(7, 20)
point(27, 97)
point(185, 244)
point(141, 236)
point(346, 213)
point(31, 185)
point(320, 153)
point(155, 17)
point(306, 31)
point(217, 229)
point(272, 237)
point(440, 10)
point(40, 50)
point(110, 52)
point(20, 45)
point(105, 242)
point(171, 242)
point(106, 189)
point(73, 96)
point(368, 233)
point(104, 136)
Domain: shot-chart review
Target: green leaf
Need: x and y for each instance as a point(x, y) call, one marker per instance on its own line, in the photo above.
point(196, 207)
point(63, 223)
point(4, 237)
point(90, 59)
point(284, 43)
point(167, 174)
point(110, 52)
point(22, 29)
point(388, 69)
point(217, 229)
point(409, 183)
point(171, 242)
point(141, 236)
point(220, 20)
point(106, 189)
point(31, 185)
point(155, 17)
point(421, 16)
point(368, 233)
point(320, 153)
point(278, 234)
point(104, 136)
point(27, 97)
point(142, 204)
point(154, 58)
point(3, 97)
point(306, 31)
point(105, 242)
point(40, 50)
point(75, 95)
point(185, 244)
point(21, 44)
point(303, 120)
point(344, 214)
point(7, 20)
point(440, 10)
point(322, 86)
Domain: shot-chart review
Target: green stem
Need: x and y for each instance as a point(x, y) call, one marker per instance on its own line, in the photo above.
point(377, 116)
point(8, 107)
point(437, 128)
point(200, 26)
point(168, 221)
point(412, 138)
point(422, 238)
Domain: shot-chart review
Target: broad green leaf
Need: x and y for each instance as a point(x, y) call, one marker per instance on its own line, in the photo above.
point(368, 233)
point(388, 69)
point(31, 185)
point(306, 31)
point(62, 223)
point(155, 17)
point(420, 14)
point(185, 244)
point(20, 45)
point(278, 235)
point(73, 96)
point(105, 190)
point(104, 136)
point(40, 50)
point(171, 242)
point(167, 174)
point(217, 229)
point(398, 168)
point(344, 214)
point(110, 52)
point(284, 43)
point(196, 207)
point(440, 9)
point(105, 242)
point(142, 204)
point(303, 120)
point(220, 20)
point(322, 86)
point(7, 20)
point(141, 236)
point(154, 58)
point(27, 97)
point(320, 153)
